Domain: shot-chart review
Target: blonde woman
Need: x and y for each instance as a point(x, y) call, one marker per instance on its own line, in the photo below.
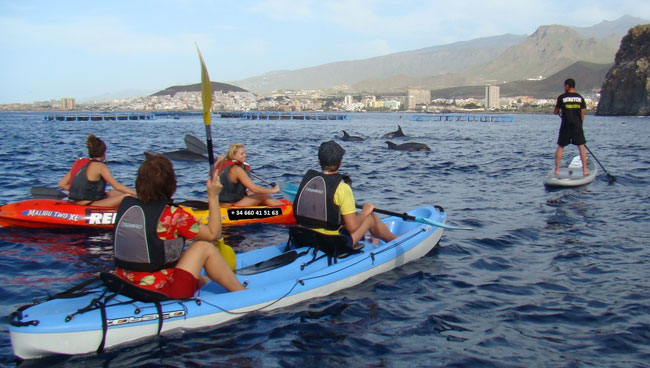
point(238, 188)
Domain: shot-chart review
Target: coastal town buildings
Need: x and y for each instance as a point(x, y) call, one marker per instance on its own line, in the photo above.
point(312, 100)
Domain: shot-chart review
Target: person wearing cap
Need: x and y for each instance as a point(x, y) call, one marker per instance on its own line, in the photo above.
point(325, 202)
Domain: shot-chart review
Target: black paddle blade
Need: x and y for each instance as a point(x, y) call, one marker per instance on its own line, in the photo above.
point(47, 193)
point(270, 264)
point(611, 178)
point(185, 155)
point(195, 145)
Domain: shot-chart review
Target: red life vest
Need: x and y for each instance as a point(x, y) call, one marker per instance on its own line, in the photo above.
point(227, 163)
point(81, 162)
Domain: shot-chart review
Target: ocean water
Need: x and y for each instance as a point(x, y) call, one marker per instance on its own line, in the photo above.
point(547, 278)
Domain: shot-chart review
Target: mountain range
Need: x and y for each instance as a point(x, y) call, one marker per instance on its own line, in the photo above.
point(581, 52)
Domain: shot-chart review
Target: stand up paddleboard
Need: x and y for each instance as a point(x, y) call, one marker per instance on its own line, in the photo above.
point(571, 176)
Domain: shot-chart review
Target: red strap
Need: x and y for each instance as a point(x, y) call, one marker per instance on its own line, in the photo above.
point(227, 163)
point(78, 165)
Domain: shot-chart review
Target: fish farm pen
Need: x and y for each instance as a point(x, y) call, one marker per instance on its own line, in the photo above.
point(276, 115)
point(99, 117)
point(464, 117)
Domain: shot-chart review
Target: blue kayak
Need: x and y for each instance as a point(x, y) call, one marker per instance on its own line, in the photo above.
point(92, 318)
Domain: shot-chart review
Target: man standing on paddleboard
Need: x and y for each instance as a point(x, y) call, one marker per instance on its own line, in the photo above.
point(573, 108)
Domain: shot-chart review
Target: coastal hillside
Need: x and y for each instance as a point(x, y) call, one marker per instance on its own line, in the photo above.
point(588, 76)
point(493, 59)
point(216, 86)
point(436, 60)
point(546, 52)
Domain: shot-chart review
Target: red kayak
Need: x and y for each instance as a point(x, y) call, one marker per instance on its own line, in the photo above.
point(56, 213)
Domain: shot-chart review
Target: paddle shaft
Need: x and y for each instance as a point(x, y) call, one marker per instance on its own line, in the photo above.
point(611, 177)
point(208, 138)
point(406, 217)
point(262, 180)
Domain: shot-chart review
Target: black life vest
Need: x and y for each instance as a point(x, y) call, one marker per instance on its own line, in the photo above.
point(314, 203)
point(231, 192)
point(136, 244)
point(82, 189)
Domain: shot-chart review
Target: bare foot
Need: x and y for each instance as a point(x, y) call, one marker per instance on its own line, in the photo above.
point(585, 173)
point(557, 172)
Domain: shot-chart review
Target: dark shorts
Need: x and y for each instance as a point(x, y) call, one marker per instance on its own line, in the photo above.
point(571, 135)
point(181, 284)
point(347, 234)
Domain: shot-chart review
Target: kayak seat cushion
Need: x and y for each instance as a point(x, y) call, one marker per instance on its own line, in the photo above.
point(120, 286)
point(333, 246)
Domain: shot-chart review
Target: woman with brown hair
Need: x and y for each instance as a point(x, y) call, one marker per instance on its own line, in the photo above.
point(86, 180)
point(150, 233)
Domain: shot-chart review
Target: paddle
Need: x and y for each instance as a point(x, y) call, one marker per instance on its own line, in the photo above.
point(270, 264)
point(184, 155)
point(262, 180)
point(195, 145)
point(47, 193)
point(406, 217)
point(611, 178)
point(206, 100)
point(290, 190)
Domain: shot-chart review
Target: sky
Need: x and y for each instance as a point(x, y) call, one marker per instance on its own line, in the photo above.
point(91, 49)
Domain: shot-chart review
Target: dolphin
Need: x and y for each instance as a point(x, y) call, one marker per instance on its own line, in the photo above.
point(411, 146)
point(395, 134)
point(351, 138)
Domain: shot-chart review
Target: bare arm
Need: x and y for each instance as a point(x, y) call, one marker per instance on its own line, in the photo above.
point(212, 230)
point(64, 183)
point(352, 221)
point(246, 181)
point(582, 114)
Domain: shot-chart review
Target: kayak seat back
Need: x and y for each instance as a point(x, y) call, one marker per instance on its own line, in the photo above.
point(120, 286)
point(332, 246)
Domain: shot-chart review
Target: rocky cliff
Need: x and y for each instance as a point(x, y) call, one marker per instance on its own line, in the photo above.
point(626, 88)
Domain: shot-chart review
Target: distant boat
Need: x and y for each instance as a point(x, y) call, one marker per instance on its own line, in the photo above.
point(176, 117)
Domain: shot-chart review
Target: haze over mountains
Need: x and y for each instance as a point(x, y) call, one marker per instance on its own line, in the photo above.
point(498, 59)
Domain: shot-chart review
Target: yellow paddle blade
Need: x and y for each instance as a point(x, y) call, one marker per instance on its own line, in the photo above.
point(206, 89)
point(227, 252)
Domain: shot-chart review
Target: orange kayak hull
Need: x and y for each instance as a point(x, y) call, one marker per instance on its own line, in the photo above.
point(50, 213)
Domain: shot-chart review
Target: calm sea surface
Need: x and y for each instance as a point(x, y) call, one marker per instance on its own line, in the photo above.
point(548, 278)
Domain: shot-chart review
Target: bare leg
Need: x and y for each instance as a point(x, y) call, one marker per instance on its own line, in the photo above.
point(113, 199)
point(583, 157)
point(376, 227)
point(202, 254)
point(558, 159)
point(257, 200)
